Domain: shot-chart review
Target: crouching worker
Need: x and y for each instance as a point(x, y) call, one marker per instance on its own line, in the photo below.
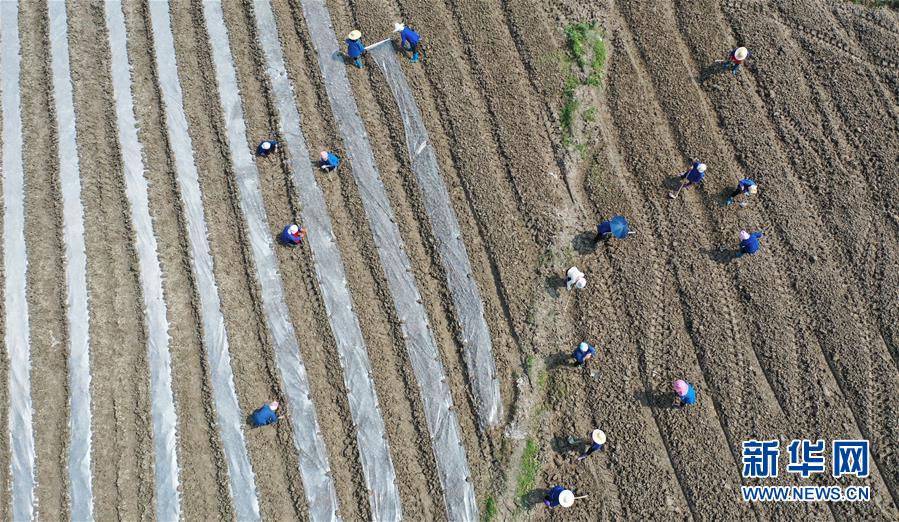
point(292, 235)
point(685, 394)
point(575, 278)
point(749, 243)
point(267, 147)
point(583, 354)
point(265, 415)
point(409, 40)
point(329, 161)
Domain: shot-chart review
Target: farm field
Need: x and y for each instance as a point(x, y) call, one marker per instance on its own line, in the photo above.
point(418, 338)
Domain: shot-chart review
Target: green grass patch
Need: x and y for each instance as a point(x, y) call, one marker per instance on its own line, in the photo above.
point(489, 510)
point(589, 115)
point(529, 364)
point(599, 61)
point(569, 109)
point(527, 476)
point(577, 36)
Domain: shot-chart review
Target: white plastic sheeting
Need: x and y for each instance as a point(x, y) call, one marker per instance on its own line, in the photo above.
point(424, 354)
point(162, 405)
point(230, 418)
point(374, 452)
point(476, 343)
point(80, 488)
point(15, 264)
point(314, 468)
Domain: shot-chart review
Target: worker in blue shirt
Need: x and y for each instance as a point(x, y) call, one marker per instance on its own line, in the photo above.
point(410, 38)
point(559, 496)
point(265, 415)
point(267, 147)
point(582, 354)
point(597, 442)
point(292, 235)
point(354, 47)
point(693, 176)
point(329, 161)
point(749, 243)
point(686, 394)
point(746, 187)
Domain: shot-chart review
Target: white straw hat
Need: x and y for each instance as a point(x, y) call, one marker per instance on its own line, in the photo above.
point(293, 229)
point(599, 436)
point(701, 167)
point(398, 26)
point(753, 189)
point(581, 283)
point(584, 347)
point(744, 235)
point(266, 145)
point(354, 34)
point(566, 498)
point(273, 405)
point(741, 53)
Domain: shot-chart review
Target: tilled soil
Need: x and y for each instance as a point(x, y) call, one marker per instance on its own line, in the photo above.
point(799, 341)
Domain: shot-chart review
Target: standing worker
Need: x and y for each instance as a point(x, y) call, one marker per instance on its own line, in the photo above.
point(575, 278)
point(265, 415)
point(735, 59)
point(693, 176)
point(354, 47)
point(410, 37)
point(267, 147)
point(292, 235)
point(746, 187)
point(597, 441)
point(559, 496)
point(685, 394)
point(583, 354)
point(749, 243)
point(329, 161)
point(616, 227)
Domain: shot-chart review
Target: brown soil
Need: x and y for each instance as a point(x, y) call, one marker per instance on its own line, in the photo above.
point(796, 342)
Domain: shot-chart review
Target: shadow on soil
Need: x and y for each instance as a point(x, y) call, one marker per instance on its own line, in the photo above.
point(554, 284)
point(655, 399)
point(534, 498)
point(721, 255)
point(710, 70)
point(556, 360)
point(585, 242)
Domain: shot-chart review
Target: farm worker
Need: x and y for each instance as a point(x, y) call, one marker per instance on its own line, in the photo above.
point(559, 496)
point(292, 235)
point(575, 278)
point(616, 227)
point(583, 353)
point(746, 187)
point(735, 59)
point(410, 38)
point(329, 161)
point(354, 47)
point(266, 415)
point(597, 441)
point(693, 176)
point(749, 243)
point(686, 394)
point(267, 147)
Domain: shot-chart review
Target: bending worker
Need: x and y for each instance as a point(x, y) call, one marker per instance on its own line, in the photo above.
point(575, 278)
point(735, 59)
point(292, 235)
point(597, 441)
point(354, 47)
point(265, 415)
point(329, 161)
point(746, 187)
point(408, 37)
point(749, 243)
point(267, 147)
point(559, 496)
point(616, 227)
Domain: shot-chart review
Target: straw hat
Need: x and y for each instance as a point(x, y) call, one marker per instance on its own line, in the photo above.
point(744, 235)
point(566, 498)
point(753, 189)
point(599, 436)
point(581, 283)
point(701, 167)
point(741, 53)
point(293, 229)
point(398, 26)
point(273, 405)
point(266, 145)
point(354, 34)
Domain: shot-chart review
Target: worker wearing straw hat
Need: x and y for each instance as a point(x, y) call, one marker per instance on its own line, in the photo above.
point(735, 59)
point(354, 47)
point(409, 40)
point(575, 278)
point(559, 496)
point(746, 187)
point(265, 415)
point(597, 442)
